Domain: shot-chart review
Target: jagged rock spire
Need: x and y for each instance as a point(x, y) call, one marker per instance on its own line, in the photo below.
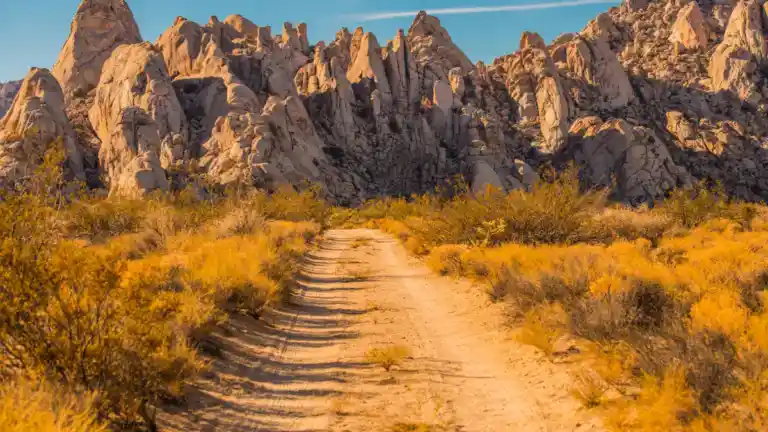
point(98, 28)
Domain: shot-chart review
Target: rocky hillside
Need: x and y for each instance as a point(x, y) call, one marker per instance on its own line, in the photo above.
point(7, 93)
point(648, 97)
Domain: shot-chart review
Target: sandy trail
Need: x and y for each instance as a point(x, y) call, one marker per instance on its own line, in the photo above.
point(303, 367)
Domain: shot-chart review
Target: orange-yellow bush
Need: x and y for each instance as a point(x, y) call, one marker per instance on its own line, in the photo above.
point(111, 296)
point(40, 407)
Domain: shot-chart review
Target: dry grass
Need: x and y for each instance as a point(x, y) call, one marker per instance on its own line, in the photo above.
point(589, 388)
point(542, 328)
point(388, 357)
point(39, 407)
point(112, 297)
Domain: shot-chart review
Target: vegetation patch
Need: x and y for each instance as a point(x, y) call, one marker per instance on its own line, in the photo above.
point(388, 357)
point(106, 301)
point(670, 297)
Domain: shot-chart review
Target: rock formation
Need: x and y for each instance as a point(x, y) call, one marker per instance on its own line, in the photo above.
point(98, 28)
point(7, 94)
point(534, 84)
point(137, 117)
point(632, 156)
point(129, 156)
point(650, 96)
point(743, 49)
point(690, 30)
point(36, 123)
point(136, 76)
point(591, 61)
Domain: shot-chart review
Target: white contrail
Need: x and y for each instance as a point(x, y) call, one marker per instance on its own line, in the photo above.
point(481, 9)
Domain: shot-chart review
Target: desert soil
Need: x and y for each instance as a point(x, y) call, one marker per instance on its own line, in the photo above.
point(304, 368)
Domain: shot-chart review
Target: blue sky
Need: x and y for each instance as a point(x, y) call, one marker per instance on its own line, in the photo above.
point(32, 32)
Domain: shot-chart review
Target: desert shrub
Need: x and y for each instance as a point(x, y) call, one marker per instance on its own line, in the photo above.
point(690, 299)
point(290, 205)
point(555, 212)
point(134, 246)
point(621, 223)
point(415, 246)
point(693, 207)
point(395, 227)
point(659, 406)
point(66, 314)
point(242, 221)
point(542, 327)
point(41, 407)
point(111, 296)
point(388, 357)
point(589, 388)
point(100, 218)
point(710, 359)
point(446, 259)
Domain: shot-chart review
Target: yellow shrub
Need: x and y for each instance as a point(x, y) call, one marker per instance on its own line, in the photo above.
point(27, 407)
point(446, 259)
point(589, 388)
point(388, 357)
point(415, 246)
point(397, 228)
point(103, 218)
point(659, 406)
point(542, 327)
point(720, 311)
point(120, 317)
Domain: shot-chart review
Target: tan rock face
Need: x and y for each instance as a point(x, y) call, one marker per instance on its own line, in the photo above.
point(7, 94)
point(636, 4)
point(743, 48)
point(367, 64)
point(433, 48)
point(402, 72)
point(136, 76)
point(745, 29)
point(730, 69)
point(190, 50)
point(244, 26)
point(98, 28)
point(532, 40)
point(204, 75)
point(129, 156)
point(137, 117)
point(35, 123)
point(689, 29)
point(534, 83)
point(363, 118)
point(273, 149)
point(634, 156)
point(602, 27)
point(592, 61)
point(484, 177)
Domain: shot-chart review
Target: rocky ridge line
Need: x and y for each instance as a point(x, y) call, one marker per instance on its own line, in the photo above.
point(648, 97)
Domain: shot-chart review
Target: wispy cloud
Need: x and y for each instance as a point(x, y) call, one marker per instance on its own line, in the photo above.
point(481, 9)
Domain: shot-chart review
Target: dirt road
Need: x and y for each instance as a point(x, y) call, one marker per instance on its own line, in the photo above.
point(304, 367)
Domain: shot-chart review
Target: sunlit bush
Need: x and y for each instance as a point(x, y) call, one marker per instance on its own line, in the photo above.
point(110, 297)
point(40, 407)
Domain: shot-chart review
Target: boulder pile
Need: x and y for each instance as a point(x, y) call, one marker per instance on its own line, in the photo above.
point(650, 96)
